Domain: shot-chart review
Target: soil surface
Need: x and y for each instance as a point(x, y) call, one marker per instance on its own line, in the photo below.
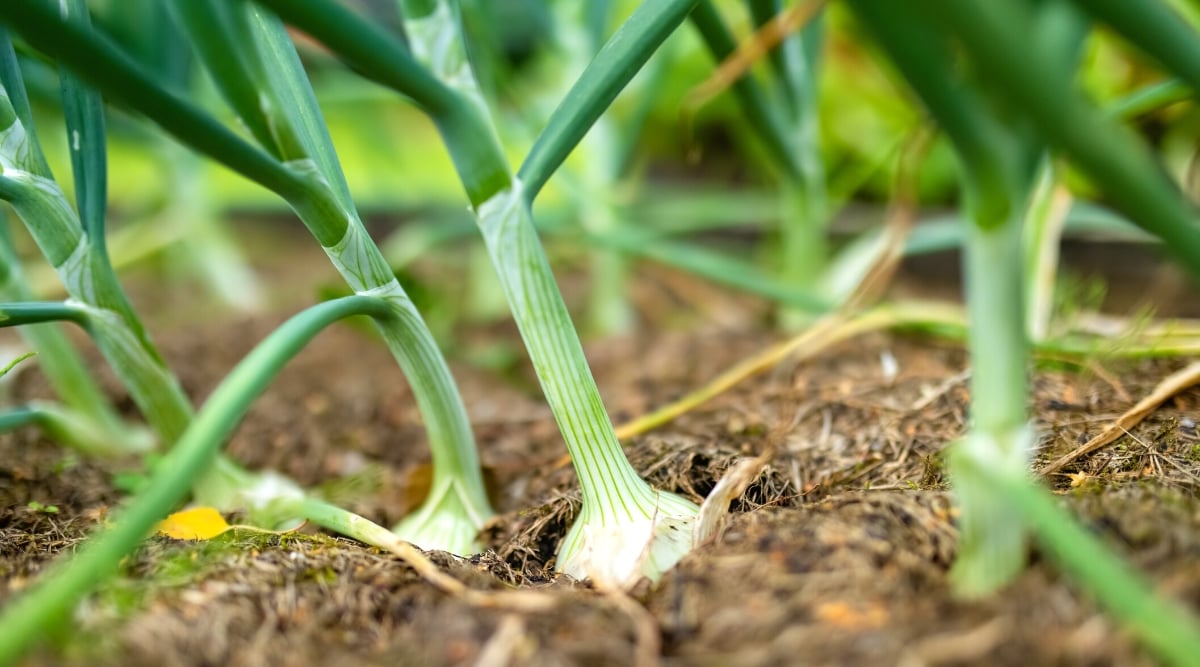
point(837, 555)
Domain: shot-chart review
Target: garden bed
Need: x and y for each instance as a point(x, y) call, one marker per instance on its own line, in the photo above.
point(837, 555)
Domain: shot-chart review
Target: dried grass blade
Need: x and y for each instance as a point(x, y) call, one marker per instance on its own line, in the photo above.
point(1168, 388)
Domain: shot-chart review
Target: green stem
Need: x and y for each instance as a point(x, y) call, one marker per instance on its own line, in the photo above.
point(992, 159)
point(343, 522)
point(621, 57)
point(992, 262)
point(208, 24)
point(609, 311)
point(461, 122)
point(75, 387)
point(1044, 225)
point(1149, 98)
point(453, 445)
point(37, 312)
point(1170, 630)
point(303, 139)
point(1153, 27)
point(764, 119)
point(27, 618)
point(59, 361)
point(18, 103)
point(805, 249)
point(1115, 159)
point(992, 544)
point(716, 267)
point(923, 57)
point(94, 59)
point(558, 359)
point(763, 12)
point(74, 429)
point(83, 111)
point(805, 244)
point(94, 289)
point(11, 420)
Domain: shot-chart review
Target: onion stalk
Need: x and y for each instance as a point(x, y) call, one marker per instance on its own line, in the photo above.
point(994, 172)
point(622, 517)
point(26, 619)
point(265, 83)
point(625, 530)
point(300, 166)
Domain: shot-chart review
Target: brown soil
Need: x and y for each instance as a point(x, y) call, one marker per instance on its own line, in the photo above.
point(837, 555)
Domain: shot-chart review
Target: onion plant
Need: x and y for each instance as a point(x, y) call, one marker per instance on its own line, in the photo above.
point(996, 163)
point(1045, 220)
point(265, 84)
point(74, 244)
point(1010, 107)
point(28, 619)
point(84, 419)
point(303, 169)
point(785, 118)
point(998, 148)
point(73, 241)
point(187, 209)
point(625, 528)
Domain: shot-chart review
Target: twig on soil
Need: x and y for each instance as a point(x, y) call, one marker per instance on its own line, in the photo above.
point(823, 334)
point(1155, 457)
point(648, 643)
point(513, 600)
point(846, 322)
point(940, 391)
point(499, 649)
point(1169, 387)
point(732, 485)
point(1091, 365)
point(970, 646)
point(826, 332)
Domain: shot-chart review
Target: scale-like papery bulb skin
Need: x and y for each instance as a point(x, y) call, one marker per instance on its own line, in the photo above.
point(624, 547)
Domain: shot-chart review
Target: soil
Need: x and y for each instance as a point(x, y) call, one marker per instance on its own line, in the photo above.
point(836, 555)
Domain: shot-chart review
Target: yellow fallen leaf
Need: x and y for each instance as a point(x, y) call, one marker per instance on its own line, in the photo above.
point(197, 523)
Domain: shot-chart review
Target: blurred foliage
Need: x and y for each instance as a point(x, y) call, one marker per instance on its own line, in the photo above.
point(395, 161)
